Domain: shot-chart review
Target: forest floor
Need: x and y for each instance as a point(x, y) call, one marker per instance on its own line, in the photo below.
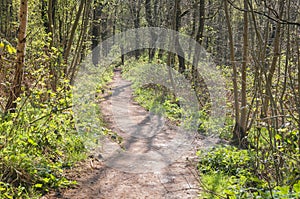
point(143, 170)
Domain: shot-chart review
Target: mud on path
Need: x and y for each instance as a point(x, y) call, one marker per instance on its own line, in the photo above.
point(137, 167)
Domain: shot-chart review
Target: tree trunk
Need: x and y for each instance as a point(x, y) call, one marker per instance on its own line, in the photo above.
point(6, 19)
point(276, 54)
point(243, 120)
point(151, 23)
point(21, 51)
point(236, 134)
point(136, 13)
point(79, 46)
point(96, 33)
point(50, 29)
point(51, 18)
point(199, 39)
point(72, 33)
point(179, 51)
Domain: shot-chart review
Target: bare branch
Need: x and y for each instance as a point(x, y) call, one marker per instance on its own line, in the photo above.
point(277, 19)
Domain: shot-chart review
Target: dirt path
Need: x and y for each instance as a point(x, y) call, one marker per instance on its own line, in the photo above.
point(154, 160)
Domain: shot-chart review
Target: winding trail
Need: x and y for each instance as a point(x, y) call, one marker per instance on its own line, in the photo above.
point(154, 160)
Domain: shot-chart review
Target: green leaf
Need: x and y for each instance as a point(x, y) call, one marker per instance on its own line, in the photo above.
point(46, 180)
point(284, 190)
point(38, 185)
point(8, 196)
point(278, 137)
point(10, 49)
point(297, 187)
point(228, 192)
point(32, 142)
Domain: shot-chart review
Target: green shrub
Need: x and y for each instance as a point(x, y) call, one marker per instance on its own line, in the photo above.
point(37, 142)
point(229, 172)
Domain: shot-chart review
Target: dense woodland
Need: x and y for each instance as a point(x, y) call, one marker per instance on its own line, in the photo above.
point(254, 43)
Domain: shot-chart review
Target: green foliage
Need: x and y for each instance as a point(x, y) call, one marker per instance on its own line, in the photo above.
point(155, 100)
point(267, 170)
point(229, 172)
point(40, 139)
point(6, 46)
point(37, 142)
point(276, 154)
point(87, 112)
point(229, 160)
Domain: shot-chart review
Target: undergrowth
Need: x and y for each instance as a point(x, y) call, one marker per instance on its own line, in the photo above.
point(39, 140)
point(228, 172)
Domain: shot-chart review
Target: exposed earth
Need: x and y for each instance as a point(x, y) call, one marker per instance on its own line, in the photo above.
point(152, 159)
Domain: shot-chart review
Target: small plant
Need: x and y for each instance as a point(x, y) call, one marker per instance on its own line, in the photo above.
point(36, 143)
point(229, 172)
point(39, 140)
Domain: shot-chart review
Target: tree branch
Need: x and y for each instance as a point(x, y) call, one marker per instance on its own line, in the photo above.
point(277, 19)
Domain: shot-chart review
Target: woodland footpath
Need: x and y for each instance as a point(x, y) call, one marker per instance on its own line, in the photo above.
point(248, 47)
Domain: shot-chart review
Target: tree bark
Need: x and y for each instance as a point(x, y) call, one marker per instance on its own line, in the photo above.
point(276, 53)
point(150, 20)
point(79, 46)
point(72, 33)
point(243, 120)
point(51, 18)
point(199, 38)
point(21, 51)
point(96, 33)
point(178, 48)
point(136, 20)
point(236, 135)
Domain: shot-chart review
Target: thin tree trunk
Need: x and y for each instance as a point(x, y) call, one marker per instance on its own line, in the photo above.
point(51, 18)
point(193, 29)
point(151, 23)
point(21, 51)
point(243, 120)
point(136, 13)
point(179, 51)
point(269, 77)
point(236, 135)
point(96, 33)
point(50, 29)
point(199, 39)
point(80, 41)
point(72, 33)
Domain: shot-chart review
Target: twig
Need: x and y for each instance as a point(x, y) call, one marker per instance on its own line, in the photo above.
point(2, 107)
point(163, 184)
point(277, 19)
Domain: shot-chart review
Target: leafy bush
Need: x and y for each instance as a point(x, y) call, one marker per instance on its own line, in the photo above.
point(37, 142)
point(34, 157)
point(229, 172)
point(228, 159)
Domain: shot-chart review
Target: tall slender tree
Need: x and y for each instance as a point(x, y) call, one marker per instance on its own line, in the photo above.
point(15, 91)
point(236, 135)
